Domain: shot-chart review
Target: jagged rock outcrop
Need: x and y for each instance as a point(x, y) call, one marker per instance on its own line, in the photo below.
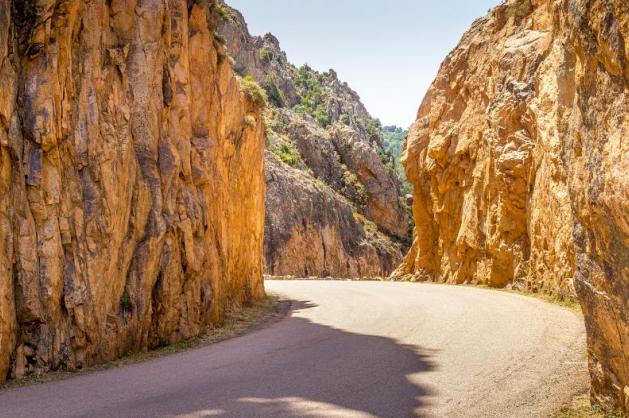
point(319, 133)
point(519, 159)
point(318, 234)
point(131, 176)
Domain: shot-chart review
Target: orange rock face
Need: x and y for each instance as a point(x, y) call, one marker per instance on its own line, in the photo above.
point(519, 159)
point(131, 177)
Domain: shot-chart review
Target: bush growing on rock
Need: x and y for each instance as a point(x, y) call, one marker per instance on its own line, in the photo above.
point(274, 95)
point(266, 55)
point(221, 11)
point(253, 91)
point(519, 8)
point(250, 121)
point(286, 155)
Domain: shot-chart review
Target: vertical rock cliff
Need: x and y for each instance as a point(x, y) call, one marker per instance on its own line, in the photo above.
point(334, 204)
point(131, 177)
point(597, 156)
point(519, 159)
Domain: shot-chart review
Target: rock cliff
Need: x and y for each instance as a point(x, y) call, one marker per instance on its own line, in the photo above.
point(334, 204)
point(519, 160)
point(131, 176)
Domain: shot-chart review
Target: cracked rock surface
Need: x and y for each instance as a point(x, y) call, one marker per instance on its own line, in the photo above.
point(519, 158)
point(132, 189)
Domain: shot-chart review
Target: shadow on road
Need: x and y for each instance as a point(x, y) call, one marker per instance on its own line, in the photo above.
point(293, 367)
point(322, 371)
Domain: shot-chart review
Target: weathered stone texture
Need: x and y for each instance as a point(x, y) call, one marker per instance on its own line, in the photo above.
point(519, 158)
point(597, 157)
point(132, 191)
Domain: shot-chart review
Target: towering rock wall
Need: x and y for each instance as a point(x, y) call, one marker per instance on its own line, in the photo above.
point(519, 159)
point(333, 196)
point(131, 177)
point(597, 156)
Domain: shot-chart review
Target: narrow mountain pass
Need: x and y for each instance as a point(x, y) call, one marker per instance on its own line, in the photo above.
point(351, 349)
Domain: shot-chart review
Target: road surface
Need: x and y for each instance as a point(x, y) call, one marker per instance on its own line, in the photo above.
point(350, 349)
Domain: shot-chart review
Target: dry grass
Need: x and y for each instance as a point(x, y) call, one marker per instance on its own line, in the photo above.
point(582, 408)
point(569, 303)
point(236, 323)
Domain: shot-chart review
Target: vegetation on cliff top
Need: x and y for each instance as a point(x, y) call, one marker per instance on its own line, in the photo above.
point(394, 138)
point(315, 89)
point(519, 8)
point(312, 91)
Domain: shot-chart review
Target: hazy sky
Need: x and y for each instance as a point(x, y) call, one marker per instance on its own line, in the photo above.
point(388, 51)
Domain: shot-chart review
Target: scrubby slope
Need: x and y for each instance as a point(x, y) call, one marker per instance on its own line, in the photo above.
point(334, 204)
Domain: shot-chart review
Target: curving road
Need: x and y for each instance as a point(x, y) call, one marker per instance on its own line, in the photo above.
point(351, 349)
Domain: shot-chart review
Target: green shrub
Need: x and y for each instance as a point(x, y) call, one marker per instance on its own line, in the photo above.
point(266, 55)
point(301, 109)
point(317, 112)
point(394, 138)
point(319, 184)
point(321, 116)
point(384, 155)
point(287, 156)
point(253, 91)
point(125, 301)
point(519, 9)
point(285, 153)
point(274, 94)
point(221, 11)
point(311, 86)
point(374, 129)
point(271, 122)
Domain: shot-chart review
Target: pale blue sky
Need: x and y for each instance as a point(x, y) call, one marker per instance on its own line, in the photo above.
point(388, 51)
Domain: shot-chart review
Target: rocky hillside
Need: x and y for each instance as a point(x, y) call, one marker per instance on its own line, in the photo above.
point(334, 204)
point(131, 176)
point(519, 159)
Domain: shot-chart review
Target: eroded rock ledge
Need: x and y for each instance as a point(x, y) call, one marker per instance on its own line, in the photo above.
point(131, 176)
point(520, 163)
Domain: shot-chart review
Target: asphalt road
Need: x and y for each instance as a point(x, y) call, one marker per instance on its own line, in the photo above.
point(350, 349)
